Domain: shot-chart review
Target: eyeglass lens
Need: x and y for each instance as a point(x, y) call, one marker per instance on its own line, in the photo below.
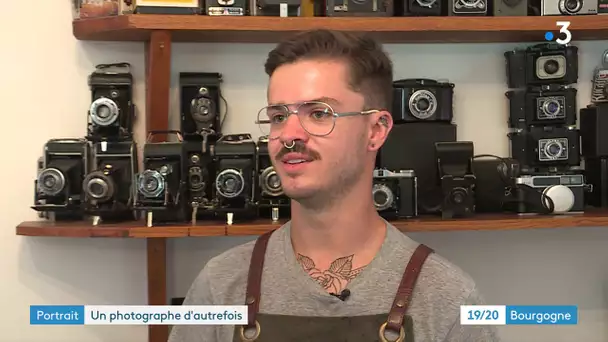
point(317, 118)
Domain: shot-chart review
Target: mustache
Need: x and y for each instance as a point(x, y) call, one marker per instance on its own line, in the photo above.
point(299, 147)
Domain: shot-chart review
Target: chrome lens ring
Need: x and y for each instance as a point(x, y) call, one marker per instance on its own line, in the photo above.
point(202, 109)
point(552, 145)
point(151, 184)
point(381, 189)
point(230, 183)
point(51, 182)
point(98, 186)
point(270, 183)
point(416, 110)
point(104, 112)
point(552, 108)
point(196, 181)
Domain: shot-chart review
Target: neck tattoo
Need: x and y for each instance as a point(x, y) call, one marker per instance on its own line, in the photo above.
point(336, 277)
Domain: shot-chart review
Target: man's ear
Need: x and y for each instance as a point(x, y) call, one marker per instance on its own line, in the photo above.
point(381, 125)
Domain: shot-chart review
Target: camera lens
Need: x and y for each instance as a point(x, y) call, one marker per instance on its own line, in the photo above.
point(573, 6)
point(51, 182)
point(553, 149)
point(195, 178)
point(426, 3)
point(202, 109)
point(551, 107)
point(422, 104)
point(382, 196)
point(551, 66)
point(458, 195)
point(270, 182)
point(104, 112)
point(98, 186)
point(229, 183)
point(151, 184)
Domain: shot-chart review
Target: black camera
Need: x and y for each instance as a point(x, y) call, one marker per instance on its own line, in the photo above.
point(112, 111)
point(200, 177)
point(395, 193)
point(160, 187)
point(455, 165)
point(422, 100)
point(542, 106)
point(235, 157)
point(275, 8)
point(546, 147)
point(109, 189)
point(422, 8)
point(61, 170)
point(360, 8)
point(542, 64)
point(271, 200)
point(227, 7)
point(467, 7)
point(200, 98)
point(495, 183)
point(551, 194)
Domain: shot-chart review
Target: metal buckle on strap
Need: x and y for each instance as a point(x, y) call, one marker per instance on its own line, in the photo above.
point(254, 337)
point(383, 338)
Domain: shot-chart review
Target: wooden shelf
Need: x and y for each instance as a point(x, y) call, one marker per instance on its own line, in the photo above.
point(426, 224)
point(199, 28)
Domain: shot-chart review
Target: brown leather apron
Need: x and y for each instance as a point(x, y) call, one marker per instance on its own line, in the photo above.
point(397, 326)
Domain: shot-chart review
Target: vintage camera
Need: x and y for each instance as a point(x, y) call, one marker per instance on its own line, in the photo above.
point(546, 147)
point(360, 8)
point(455, 165)
point(467, 7)
point(112, 111)
point(200, 176)
point(551, 194)
point(541, 64)
point(540, 106)
point(599, 88)
point(271, 200)
point(417, 100)
point(160, 187)
point(61, 169)
point(200, 106)
point(510, 8)
point(568, 7)
point(227, 7)
point(422, 8)
point(166, 6)
point(495, 183)
point(235, 157)
point(275, 8)
point(109, 189)
point(395, 193)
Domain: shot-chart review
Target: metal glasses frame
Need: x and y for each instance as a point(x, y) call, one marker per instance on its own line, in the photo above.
point(335, 115)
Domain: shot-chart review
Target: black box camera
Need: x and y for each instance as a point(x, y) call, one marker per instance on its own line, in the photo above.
point(542, 106)
point(112, 112)
point(160, 187)
point(200, 97)
point(61, 170)
point(271, 200)
point(360, 8)
point(395, 193)
point(416, 100)
point(455, 165)
point(546, 147)
point(235, 157)
point(542, 64)
point(109, 189)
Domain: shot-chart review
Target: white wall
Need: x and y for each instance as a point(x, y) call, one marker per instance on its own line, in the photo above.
point(45, 95)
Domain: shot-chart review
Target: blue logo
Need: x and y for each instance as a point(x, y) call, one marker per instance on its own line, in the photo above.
point(549, 36)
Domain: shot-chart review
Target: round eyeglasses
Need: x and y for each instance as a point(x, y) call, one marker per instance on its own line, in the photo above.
point(317, 118)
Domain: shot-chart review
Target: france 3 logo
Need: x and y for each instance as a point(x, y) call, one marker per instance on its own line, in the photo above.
point(563, 30)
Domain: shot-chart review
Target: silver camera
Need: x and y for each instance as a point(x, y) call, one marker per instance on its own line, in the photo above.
point(566, 193)
point(569, 7)
point(395, 193)
point(551, 107)
point(553, 149)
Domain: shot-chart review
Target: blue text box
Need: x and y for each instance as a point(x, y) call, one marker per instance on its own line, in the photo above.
point(57, 314)
point(542, 314)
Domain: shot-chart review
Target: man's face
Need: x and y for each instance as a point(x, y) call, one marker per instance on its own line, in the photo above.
point(333, 163)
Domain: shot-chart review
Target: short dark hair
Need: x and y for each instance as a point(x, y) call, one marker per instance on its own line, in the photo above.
point(370, 68)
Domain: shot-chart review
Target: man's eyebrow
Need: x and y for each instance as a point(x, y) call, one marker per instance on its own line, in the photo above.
point(328, 100)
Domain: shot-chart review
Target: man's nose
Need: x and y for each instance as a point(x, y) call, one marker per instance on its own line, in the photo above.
point(293, 130)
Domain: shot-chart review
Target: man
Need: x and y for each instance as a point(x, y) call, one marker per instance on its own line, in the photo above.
point(333, 272)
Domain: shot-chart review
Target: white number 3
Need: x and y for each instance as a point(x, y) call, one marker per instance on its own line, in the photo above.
point(564, 29)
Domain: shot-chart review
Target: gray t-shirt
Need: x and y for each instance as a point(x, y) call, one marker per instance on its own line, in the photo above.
point(288, 290)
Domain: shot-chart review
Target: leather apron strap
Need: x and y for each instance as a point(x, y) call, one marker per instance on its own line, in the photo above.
point(405, 290)
point(254, 280)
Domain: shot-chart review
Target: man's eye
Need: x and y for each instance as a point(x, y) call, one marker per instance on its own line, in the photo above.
point(277, 118)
